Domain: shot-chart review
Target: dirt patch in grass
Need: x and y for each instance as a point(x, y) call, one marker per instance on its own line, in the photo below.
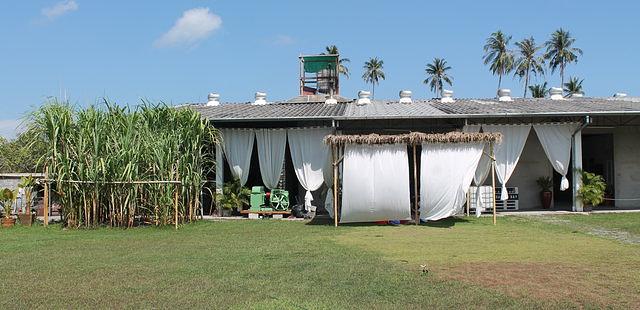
point(582, 286)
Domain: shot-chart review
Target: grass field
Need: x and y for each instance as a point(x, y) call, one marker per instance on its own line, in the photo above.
point(521, 263)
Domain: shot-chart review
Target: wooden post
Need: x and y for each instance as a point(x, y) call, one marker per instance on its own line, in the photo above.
point(468, 201)
point(334, 157)
point(175, 199)
point(415, 185)
point(493, 181)
point(46, 197)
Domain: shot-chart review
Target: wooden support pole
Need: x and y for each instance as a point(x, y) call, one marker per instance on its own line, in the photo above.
point(46, 197)
point(493, 182)
point(415, 185)
point(468, 201)
point(334, 150)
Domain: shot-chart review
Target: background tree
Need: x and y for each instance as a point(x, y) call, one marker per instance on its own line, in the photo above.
point(22, 153)
point(539, 90)
point(342, 67)
point(573, 87)
point(560, 51)
point(437, 75)
point(373, 73)
point(497, 55)
point(528, 61)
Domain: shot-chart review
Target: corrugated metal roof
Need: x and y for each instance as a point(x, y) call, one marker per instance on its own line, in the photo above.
point(392, 109)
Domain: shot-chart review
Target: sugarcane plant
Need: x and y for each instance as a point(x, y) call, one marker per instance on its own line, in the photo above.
point(118, 166)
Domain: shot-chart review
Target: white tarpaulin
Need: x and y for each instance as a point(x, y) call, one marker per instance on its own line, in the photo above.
point(556, 142)
point(446, 171)
point(309, 155)
point(271, 148)
point(375, 183)
point(482, 172)
point(238, 144)
point(508, 152)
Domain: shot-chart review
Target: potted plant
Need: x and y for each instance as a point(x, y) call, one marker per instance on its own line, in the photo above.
point(592, 190)
point(26, 185)
point(233, 195)
point(7, 197)
point(546, 193)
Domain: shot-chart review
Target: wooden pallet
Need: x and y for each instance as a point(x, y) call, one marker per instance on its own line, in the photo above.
point(265, 212)
point(511, 204)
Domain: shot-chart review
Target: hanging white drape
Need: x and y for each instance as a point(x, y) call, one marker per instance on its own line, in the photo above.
point(271, 148)
point(556, 142)
point(309, 155)
point(508, 152)
point(482, 171)
point(375, 183)
point(446, 171)
point(327, 173)
point(238, 144)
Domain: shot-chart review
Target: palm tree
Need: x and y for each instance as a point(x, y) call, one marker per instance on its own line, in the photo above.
point(528, 61)
point(373, 73)
point(574, 86)
point(437, 74)
point(342, 67)
point(539, 90)
point(560, 51)
point(498, 55)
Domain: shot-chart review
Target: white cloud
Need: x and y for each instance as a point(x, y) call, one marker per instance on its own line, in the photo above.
point(192, 27)
point(282, 39)
point(59, 9)
point(9, 128)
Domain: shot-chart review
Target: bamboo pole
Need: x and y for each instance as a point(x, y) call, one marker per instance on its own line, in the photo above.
point(335, 185)
point(493, 182)
point(46, 197)
point(468, 201)
point(415, 185)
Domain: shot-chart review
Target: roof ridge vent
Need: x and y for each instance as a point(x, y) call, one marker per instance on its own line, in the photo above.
point(620, 95)
point(364, 97)
point(447, 96)
point(556, 93)
point(504, 94)
point(261, 98)
point(213, 99)
point(405, 96)
point(331, 101)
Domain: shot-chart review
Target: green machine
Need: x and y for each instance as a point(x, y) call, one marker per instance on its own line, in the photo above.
point(276, 200)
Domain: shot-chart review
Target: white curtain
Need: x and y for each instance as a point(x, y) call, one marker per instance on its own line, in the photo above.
point(238, 144)
point(482, 172)
point(375, 183)
point(328, 182)
point(446, 171)
point(271, 148)
point(508, 152)
point(309, 155)
point(556, 142)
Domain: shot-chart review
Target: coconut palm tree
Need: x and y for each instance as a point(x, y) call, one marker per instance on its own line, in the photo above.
point(539, 90)
point(437, 75)
point(497, 55)
point(373, 73)
point(560, 51)
point(342, 67)
point(528, 61)
point(573, 87)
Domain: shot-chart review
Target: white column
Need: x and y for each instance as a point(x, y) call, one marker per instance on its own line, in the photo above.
point(219, 168)
point(576, 156)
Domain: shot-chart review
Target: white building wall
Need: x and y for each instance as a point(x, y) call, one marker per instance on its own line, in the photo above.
point(532, 165)
point(626, 154)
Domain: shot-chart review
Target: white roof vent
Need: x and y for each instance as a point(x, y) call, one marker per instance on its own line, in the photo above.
point(556, 93)
point(447, 96)
point(577, 95)
point(261, 98)
point(364, 97)
point(331, 101)
point(213, 99)
point(405, 96)
point(620, 95)
point(504, 94)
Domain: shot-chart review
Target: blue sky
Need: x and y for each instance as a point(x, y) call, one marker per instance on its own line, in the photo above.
point(178, 51)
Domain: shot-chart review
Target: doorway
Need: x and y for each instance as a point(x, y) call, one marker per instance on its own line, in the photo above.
point(597, 157)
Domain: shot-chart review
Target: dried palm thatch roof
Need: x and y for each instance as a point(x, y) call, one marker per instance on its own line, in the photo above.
point(414, 138)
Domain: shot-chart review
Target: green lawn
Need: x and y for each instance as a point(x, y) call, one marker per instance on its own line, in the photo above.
point(521, 263)
point(629, 222)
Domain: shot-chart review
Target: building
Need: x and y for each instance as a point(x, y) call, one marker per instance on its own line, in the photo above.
point(608, 135)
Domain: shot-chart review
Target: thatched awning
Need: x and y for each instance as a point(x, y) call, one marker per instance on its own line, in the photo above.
point(414, 138)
